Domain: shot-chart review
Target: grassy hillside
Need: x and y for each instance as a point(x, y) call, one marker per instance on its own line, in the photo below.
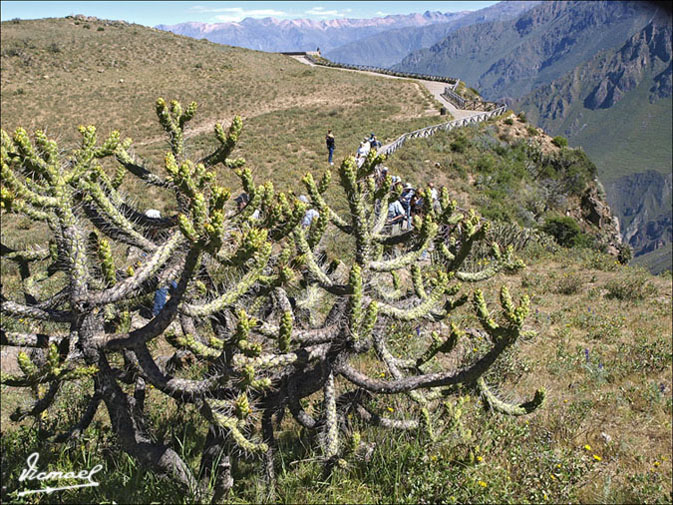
point(58, 73)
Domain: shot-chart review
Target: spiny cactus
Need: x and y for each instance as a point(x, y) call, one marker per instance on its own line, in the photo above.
point(257, 353)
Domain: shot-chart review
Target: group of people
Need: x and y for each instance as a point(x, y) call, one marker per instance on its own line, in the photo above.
point(366, 145)
point(411, 201)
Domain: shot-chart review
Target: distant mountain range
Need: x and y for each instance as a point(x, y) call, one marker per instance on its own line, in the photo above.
point(276, 35)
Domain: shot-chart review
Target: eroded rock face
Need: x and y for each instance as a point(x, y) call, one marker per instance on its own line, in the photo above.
point(596, 211)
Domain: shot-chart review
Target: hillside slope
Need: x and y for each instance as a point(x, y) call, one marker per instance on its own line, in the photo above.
point(59, 73)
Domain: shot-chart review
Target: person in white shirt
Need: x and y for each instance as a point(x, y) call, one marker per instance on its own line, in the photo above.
point(310, 214)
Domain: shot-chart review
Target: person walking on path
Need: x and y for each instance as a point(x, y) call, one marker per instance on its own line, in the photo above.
point(329, 141)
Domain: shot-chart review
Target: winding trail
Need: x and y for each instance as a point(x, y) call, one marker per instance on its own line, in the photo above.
point(436, 88)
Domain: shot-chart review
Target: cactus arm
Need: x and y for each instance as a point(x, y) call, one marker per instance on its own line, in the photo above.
point(149, 269)
point(331, 430)
point(187, 390)
point(377, 420)
point(466, 375)
point(38, 406)
point(507, 408)
point(405, 259)
point(21, 190)
point(19, 310)
point(313, 267)
point(420, 310)
point(116, 218)
point(482, 275)
point(230, 297)
point(227, 144)
point(39, 340)
point(302, 417)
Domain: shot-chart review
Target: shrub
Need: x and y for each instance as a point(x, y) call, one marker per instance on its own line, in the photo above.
point(240, 309)
point(521, 116)
point(459, 144)
point(508, 121)
point(560, 141)
point(532, 131)
point(100, 29)
point(54, 48)
point(564, 229)
point(633, 286)
point(569, 284)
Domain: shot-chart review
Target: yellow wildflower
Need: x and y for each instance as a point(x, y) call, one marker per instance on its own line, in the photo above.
point(553, 477)
point(656, 463)
point(482, 483)
point(587, 447)
point(480, 459)
point(390, 409)
point(597, 457)
point(474, 349)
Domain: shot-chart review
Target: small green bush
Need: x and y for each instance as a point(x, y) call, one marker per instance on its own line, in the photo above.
point(564, 229)
point(560, 141)
point(532, 131)
point(509, 121)
point(459, 144)
point(522, 117)
point(100, 29)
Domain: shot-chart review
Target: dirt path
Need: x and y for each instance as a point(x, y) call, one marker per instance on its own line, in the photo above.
point(434, 87)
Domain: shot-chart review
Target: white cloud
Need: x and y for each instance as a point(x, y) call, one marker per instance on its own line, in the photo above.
point(323, 13)
point(381, 13)
point(235, 14)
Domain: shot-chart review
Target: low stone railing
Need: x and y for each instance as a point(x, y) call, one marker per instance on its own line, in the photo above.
point(428, 131)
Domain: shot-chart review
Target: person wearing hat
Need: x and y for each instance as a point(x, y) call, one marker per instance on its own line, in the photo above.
point(373, 143)
point(405, 199)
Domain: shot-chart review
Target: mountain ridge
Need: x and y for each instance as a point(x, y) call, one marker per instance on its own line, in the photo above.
point(302, 34)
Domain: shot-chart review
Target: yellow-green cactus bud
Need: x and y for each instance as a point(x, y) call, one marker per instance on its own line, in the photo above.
point(53, 359)
point(187, 228)
point(201, 287)
point(26, 365)
point(354, 441)
point(324, 182)
point(242, 406)
point(107, 263)
point(285, 331)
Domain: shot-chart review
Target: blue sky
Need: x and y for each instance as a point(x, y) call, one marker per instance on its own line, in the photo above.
point(154, 13)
